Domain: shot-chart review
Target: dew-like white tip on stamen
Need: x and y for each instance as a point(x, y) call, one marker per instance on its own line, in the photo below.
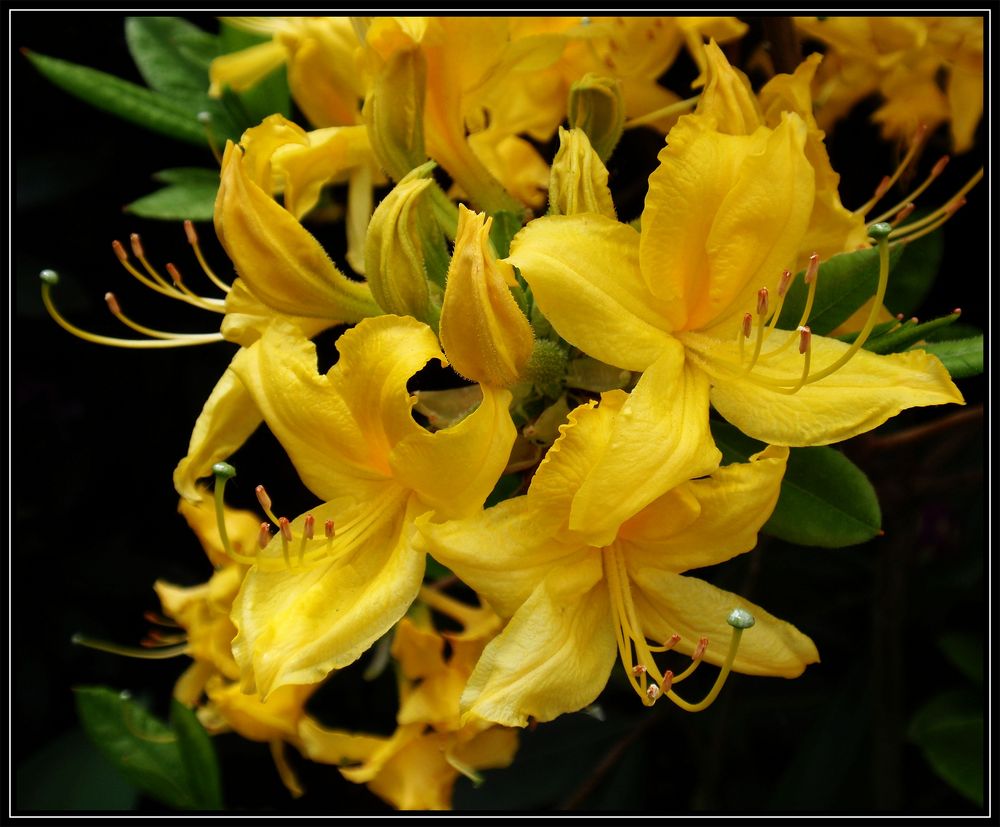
point(638, 670)
point(740, 619)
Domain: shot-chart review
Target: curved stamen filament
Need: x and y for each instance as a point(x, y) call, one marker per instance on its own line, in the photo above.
point(720, 681)
point(811, 278)
point(673, 109)
point(159, 285)
point(887, 183)
point(192, 238)
point(265, 502)
point(934, 173)
point(215, 305)
point(49, 277)
point(116, 311)
point(934, 217)
point(129, 651)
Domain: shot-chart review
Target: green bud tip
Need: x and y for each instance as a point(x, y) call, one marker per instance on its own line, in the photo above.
point(740, 619)
point(49, 277)
point(223, 470)
point(880, 231)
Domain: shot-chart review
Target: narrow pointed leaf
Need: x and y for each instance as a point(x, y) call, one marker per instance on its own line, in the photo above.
point(198, 755)
point(190, 199)
point(172, 55)
point(963, 357)
point(825, 500)
point(909, 333)
point(913, 277)
point(949, 730)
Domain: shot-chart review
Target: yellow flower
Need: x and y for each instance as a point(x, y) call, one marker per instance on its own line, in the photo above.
point(312, 603)
point(724, 216)
point(576, 591)
point(319, 51)
point(416, 768)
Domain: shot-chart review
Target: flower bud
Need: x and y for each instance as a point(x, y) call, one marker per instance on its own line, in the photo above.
point(394, 248)
point(394, 113)
point(578, 182)
point(596, 106)
point(484, 333)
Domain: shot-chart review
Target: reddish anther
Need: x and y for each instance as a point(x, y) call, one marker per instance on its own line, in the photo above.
point(668, 681)
point(192, 236)
point(175, 274)
point(699, 650)
point(136, 245)
point(762, 301)
point(262, 498)
point(116, 245)
point(883, 186)
point(309, 530)
point(784, 282)
point(805, 338)
point(939, 166)
point(904, 213)
point(264, 535)
point(112, 303)
point(286, 528)
point(747, 325)
point(813, 269)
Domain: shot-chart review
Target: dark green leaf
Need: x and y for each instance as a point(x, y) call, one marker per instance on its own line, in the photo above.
point(845, 283)
point(966, 652)
point(963, 358)
point(908, 333)
point(913, 275)
point(177, 202)
point(825, 500)
point(137, 104)
point(198, 754)
point(505, 226)
point(959, 330)
point(187, 175)
point(143, 748)
point(170, 54)
point(949, 730)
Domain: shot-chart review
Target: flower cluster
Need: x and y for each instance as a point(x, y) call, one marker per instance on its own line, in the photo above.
point(591, 360)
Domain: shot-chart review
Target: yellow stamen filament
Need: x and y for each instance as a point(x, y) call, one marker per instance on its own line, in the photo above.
point(154, 281)
point(713, 693)
point(285, 529)
point(112, 302)
point(265, 502)
point(761, 321)
point(673, 109)
point(192, 238)
point(946, 211)
point(783, 284)
point(886, 185)
point(130, 651)
point(811, 278)
point(934, 173)
point(308, 532)
point(696, 657)
point(139, 344)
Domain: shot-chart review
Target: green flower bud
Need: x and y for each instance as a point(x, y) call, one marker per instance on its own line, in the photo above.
point(596, 106)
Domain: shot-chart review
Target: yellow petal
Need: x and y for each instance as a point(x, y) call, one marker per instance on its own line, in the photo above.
point(297, 624)
point(224, 424)
point(418, 776)
point(334, 746)
point(485, 335)
point(454, 470)
point(258, 720)
point(584, 274)
point(247, 317)
point(658, 439)
point(339, 429)
point(242, 528)
point(244, 69)
point(491, 749)
point(503, 552)
point(860, 396)
point(723, 217)
point(727, 96)
point(706, 521)
point(283, 264)
point(670, 604)
point(555, 655)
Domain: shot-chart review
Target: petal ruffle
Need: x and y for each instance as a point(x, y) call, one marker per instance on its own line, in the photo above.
point(706, 521)
point(670, 604)
point(584, 275)
point(860, 396)
point(555, 655)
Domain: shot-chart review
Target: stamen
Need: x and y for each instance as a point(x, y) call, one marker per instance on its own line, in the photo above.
point(745, 329)
point(308, 531)
point(129, 651)
point(762, 302)
point(668, 681)
point(158, 283)
point(677, 108)
point(903, 214)
point(739, 620)
point(154, 617)
point(264, 536)
point(50, 278)
point(932, 221)
point(934, 173)
point(783, 284)
point(696, 657)
point(192, 238)
point(224, 472)
point(112, 302)
point(286, 537)
point(887, 183)
point(811, 277)
point(670, 644)
point(265, 502)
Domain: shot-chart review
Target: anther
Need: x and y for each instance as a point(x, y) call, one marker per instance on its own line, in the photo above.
point(699, 650)
point(116, 245)
point(883, 187)
point(805, 339)
point(264, 535)
point(262, 498)
point(189, 231)
point(175, 274)
point(747, 325)
point(954, 206)
point(112, 303)
point(762, 302)
point(674, 640)
point(286, 528)
point(957, 311)
point(329, 529)
point(652, 692)
point(784, 282)
point(813, 269)
point(903, 214)
point(668, 681)
point(638, 670)
point(939, 166)
point(309, 530)
point(137, 246)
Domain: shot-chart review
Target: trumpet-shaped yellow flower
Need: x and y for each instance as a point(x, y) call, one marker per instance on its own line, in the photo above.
point(332, 582)
point(416, 768)
point(323, 77)
point(724, 216)
point(576, 596)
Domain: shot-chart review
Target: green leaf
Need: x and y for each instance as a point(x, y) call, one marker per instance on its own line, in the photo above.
point(134, 103)
point(949, 730)
point(908, 333)
point(963, 358)
point(143, 748)
point(187, 175)
point(198, 754)
point(194, 200)
point(270, 95)
point(505, 227)
point(966, 652)
point(172, 55)
point(914, 274)
point(845, 282)
point(825, 500)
